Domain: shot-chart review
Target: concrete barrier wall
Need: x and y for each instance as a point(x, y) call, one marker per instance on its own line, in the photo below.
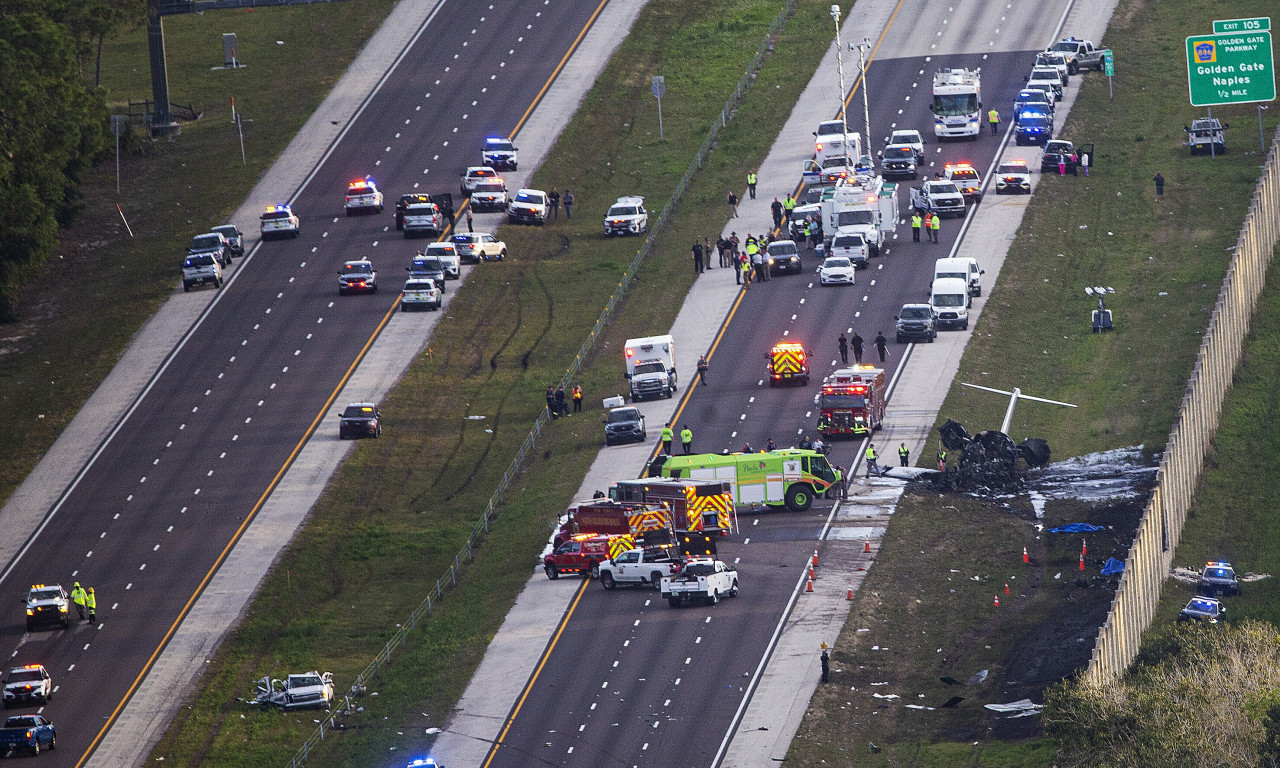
point(1182, 464)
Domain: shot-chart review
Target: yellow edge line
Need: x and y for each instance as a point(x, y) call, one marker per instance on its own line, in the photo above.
point(528, 688)
point(235, 538)
point(556, 72)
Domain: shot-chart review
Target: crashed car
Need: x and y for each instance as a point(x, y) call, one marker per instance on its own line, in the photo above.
point(308, 689)
point(1218, 578)
point(1202, 609)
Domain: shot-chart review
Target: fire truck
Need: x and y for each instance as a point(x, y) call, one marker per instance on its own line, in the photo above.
point(646, 523)
point(696, 505)
point(790, 478)
point(788, 362)
point(851, 402)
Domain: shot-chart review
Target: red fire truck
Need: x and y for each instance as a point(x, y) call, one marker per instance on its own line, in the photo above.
point(852, 402)
point(648, 523)
point(696, 505)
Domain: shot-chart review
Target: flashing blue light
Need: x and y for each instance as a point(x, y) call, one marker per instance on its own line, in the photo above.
point(422, 762)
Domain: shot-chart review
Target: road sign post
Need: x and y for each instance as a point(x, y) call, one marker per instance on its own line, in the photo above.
point(659, 88)
point(1109, 67)
point(119, 124)
point(1231, 68)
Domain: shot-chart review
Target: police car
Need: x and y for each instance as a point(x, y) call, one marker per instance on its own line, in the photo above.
point(360, 420)
point(363, 195)
point(474, 246)
point(1013, 177)
point(1202, 609)
point(1218, 578)
point(529, 206)
point(626, 216)
point(27, 685)
point(448, 255)
point(966, 178)
point(474, 175)
point(499, 154)
point(490, 195)
point(357, 276)
point(278, 221)
point(420, 293)
point(213, 244)
point(47, 604)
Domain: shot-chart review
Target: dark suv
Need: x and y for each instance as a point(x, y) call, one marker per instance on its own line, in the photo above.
point(211, 243)
point(916, 322)
point(428, 266)
point(624, 425)
point(360, 420)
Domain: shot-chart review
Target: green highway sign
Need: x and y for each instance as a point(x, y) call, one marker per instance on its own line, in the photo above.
point(1231, 26)
point(1108, 63)
point(1230, 68)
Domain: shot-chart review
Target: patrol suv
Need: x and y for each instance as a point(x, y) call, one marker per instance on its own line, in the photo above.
point(627, 216)
point(474, 175)
point(213, 244)
point(421, 217)
point(47, 604)
point(1218, 578)
point(363, 195)
point(27, 685)
point(474, 246)
point(899, 160)
point(420, 293)
point(357, 276)
point(489, 196)
point(360, 420)
point(1013, 177)
point(201, 269)
point(448, 255)
point(278, 220)
point(1047, 76)
point(499, 154)
point(967, 180)
point(529, 206)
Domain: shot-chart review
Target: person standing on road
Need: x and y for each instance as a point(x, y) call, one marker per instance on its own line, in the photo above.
point(916, 221)
point(91, 602)
point(904, 455)
point(1159, 180)
point(871, 455)
point(79, 598)
point(993, 117)
point(733, 203)
point(744, 268)
point(935, 227)
point(703, 365)
point(770, 445)
point(469, 228)
point(826, 666)
point(844, 482)
point(789, 205)
point(843, 341)
point(577, 398)
point(776, 208)
point(882, 344)
point(686, 440)
point(857, 347)
point(706, 252)
point(667, 436)
point(553, 202)
point(751, 184)
point(568, 204)
point(697, 257)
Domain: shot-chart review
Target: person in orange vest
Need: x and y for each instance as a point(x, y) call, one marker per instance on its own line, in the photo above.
point(577, 398)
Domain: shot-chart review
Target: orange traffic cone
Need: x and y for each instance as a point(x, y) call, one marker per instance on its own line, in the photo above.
point(1084, 547)
point(997, 601)
point(811, 576)
point(1082, 562)
point(1025, 557)
point(866, 547)
point(815, 558)
point(1006, 587)
point(809, 585)
point(849, 595)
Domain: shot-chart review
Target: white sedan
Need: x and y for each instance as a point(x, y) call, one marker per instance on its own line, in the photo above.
point(837, 270)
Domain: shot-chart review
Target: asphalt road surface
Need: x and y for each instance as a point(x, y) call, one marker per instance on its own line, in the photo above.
point(173, 487)
point(630, 681)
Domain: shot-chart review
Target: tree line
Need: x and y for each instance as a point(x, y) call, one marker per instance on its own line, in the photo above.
point(53, 123)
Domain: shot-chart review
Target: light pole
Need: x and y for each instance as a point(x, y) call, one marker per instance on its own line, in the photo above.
point(844, 122)
point(863, 49)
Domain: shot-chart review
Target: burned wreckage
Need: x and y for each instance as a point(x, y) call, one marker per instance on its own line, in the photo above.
point(989, 459)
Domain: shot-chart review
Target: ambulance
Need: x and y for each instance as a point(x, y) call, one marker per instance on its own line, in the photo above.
point(852, 402)
point(788, 362)
point(790, 478)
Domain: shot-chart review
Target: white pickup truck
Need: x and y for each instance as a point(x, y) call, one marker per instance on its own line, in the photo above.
point(648, 566)
point(702, 578)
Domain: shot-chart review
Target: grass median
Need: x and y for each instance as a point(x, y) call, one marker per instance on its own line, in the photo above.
point(401, 507)
point(84, 306)
point(1165, 260)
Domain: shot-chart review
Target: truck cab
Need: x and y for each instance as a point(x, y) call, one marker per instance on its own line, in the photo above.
point(831, 140)
point(939, 197)
point(915, 322)
point(966, 178)
point(702, 578)
point(651, 366)
point(1080, 54)
point(47, 604)
point(645, 566)
point(851, 402)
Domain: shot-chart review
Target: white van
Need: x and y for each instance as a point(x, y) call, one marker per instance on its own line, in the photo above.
point(964, 269)
point(949, 298)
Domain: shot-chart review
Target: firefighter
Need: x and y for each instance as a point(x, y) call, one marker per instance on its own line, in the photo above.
point(942, 459)
point(871, 455)
point(666, 439)
point(79, 598)
point(577, 398)
point(903, 454)
point(91, 602)
point(686, 440)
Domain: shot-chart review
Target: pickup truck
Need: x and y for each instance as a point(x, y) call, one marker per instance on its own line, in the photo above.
point(702, 578)
point(645, 566)
point(580, 554)
point(939, 197)
point(30, 732)
point(307, 690)
point(1080, 54)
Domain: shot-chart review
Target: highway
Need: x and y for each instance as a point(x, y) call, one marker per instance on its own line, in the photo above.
point(629, 681)
point(178, 480)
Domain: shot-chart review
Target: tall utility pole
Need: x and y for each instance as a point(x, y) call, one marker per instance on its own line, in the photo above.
point(844, 122)
point(864, 50)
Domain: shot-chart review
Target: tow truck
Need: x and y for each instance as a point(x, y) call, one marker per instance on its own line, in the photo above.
point(702, 578)
point(851, 402)
point(966, 178)
point(363, 195)
point(788, 362)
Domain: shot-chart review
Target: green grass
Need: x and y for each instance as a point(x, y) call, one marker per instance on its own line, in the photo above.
point(1106, 230)
point(399, 509)
point(82, 309)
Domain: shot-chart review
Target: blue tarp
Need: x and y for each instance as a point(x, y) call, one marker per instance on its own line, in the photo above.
point(1112, 567)
point(1075, 528)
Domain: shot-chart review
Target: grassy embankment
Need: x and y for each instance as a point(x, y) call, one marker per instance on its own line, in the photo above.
point(1166, 262)
point(400, 508)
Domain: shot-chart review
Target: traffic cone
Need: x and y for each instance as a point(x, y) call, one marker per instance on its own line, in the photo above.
point(1082, 562)
point(815, 558)
point(866, 547)
point(997, 601)
point(809, 585)
point(849, 594)
point(1084, 547)
point(1025, 557)
point(1006, 587)
point(811, 576)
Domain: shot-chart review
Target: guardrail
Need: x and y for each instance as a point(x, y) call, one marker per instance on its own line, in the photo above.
point(1181, 466)
point(399, 639)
